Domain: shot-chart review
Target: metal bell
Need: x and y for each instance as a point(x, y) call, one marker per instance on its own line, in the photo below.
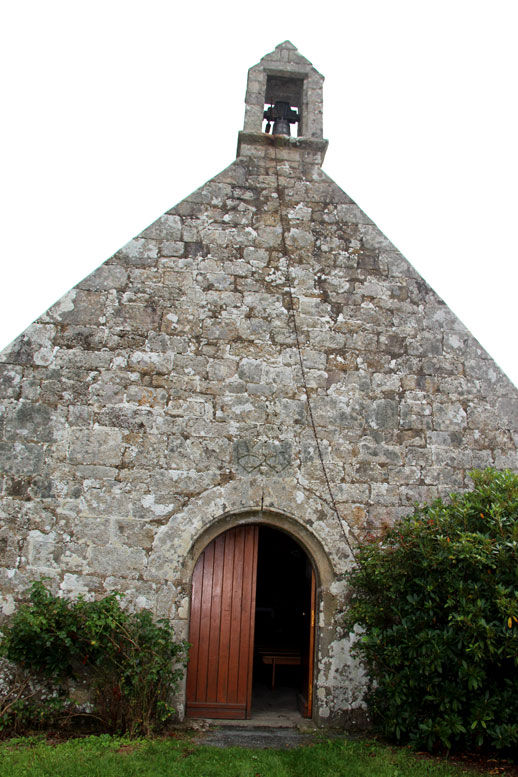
point(281, 127)
point(282, 116)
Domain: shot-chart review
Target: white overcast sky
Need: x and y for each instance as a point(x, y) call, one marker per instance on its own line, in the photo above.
point(113, 111)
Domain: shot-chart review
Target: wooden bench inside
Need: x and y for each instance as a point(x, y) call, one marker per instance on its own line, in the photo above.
point(279, 657)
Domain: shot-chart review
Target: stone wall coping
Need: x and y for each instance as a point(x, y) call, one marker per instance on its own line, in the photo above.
point(246, 138)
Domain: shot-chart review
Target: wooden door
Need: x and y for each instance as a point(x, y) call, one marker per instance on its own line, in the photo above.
point(221, 632)
point(305, 699)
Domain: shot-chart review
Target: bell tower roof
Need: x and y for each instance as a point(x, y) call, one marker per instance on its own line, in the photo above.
point(283, 83)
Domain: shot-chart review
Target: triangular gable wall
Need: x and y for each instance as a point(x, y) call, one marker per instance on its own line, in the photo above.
point(165, 392)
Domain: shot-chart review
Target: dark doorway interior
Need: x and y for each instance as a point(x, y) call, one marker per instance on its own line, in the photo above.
point(282, 624)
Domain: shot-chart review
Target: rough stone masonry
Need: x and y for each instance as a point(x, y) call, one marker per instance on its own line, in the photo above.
point(189, 383)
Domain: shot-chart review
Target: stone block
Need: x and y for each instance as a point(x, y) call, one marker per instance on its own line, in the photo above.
point(103, 560)
point(195, 408)
point(133, 533)
point(221, 369)
point(418, 456)
point(172, 248)
point(220, 330)
point(384, 494)
point(151, 363)
point(460, 458)
point(80, 308)
point(42, 550)
point(402, 475)
point(300, 239)
point(277, 376)
point(167, 227)
point(327, 340)
point(506, 460)
point(268, 458)
point(240, 408)
point(77, 359)
point(450, 477)
point(508, 412)
point(134, 419)
point(343, 411)
point(191, 365)
point(369, 450)
point(107, 390)
point(189, 482)
point(108, 276)
point(34, 422)
point(410, 495)
point(140, 252)
point(383, 414)
point(448, 416)
point(96, 446)
point(34, 346)
point(21, 458)
point(10, 381)
point(385, 383)
point(415, 414)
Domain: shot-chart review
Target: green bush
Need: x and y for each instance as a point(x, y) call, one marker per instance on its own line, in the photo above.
point(436, 600)
point(26, 705)
point(128, 660)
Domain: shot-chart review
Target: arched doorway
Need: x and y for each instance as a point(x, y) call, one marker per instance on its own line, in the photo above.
point(252, 618)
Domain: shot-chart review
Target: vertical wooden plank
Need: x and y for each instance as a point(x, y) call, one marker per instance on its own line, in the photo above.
point(247, 562)
point(252, 560)
point(214, 657)
point(235, 616)
point(203, 650)
point(226, 611)
point(222, 626)
point(244, 644)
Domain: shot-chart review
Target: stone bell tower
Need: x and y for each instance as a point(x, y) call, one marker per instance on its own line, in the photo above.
point(286, 76)
point(253, 383)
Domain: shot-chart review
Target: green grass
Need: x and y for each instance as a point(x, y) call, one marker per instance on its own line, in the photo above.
point(104, 756)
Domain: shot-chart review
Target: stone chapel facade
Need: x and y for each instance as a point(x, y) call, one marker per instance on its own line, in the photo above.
point(260, 359)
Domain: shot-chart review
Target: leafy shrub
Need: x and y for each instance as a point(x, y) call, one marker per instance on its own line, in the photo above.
point(129, 660)
point(25, 705)
point(436, 600)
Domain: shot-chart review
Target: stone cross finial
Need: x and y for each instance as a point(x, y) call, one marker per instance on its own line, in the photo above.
point(288, 76)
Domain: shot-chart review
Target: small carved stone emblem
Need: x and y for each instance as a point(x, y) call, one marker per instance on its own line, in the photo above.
point(265, 458)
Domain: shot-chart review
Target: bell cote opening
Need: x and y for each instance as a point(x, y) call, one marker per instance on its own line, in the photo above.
point(284, 96)
point(283, 105)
